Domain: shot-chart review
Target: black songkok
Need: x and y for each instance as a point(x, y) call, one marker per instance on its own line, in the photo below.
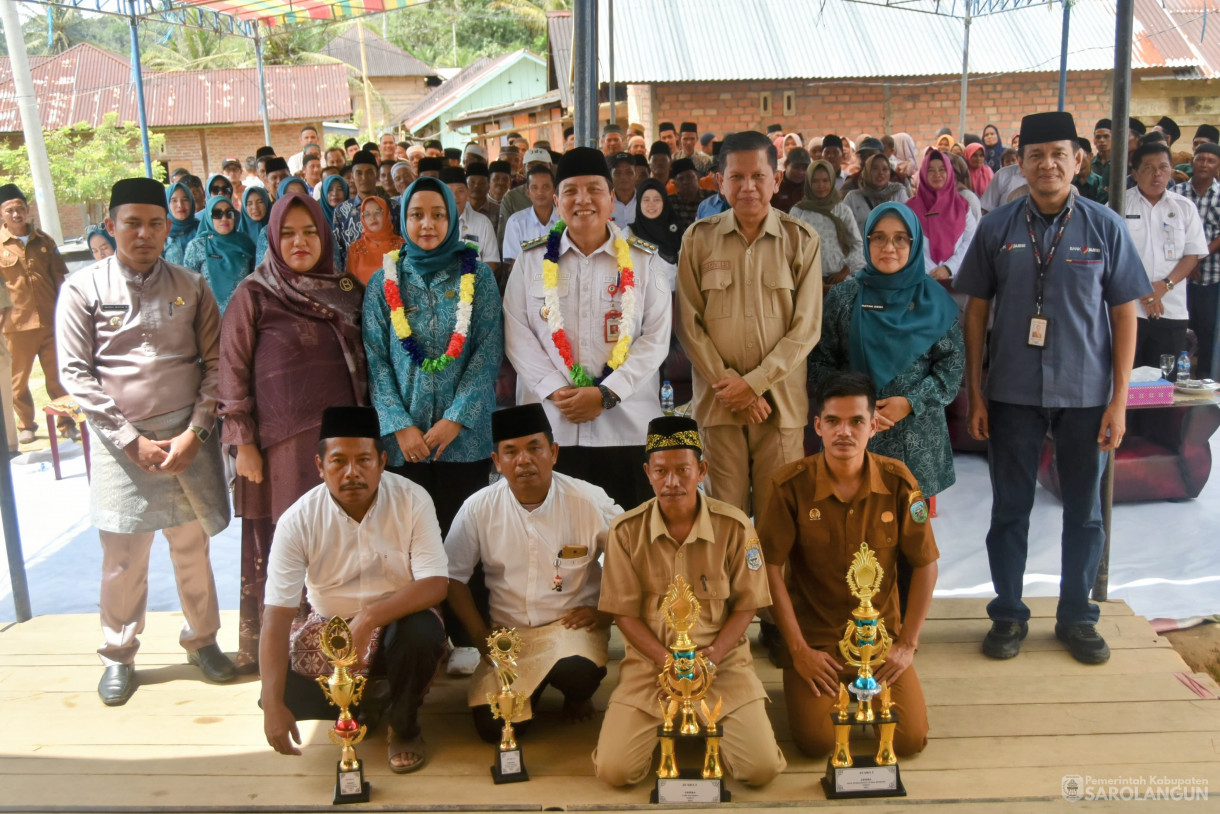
point(612, 128)
point(350, 142)
point(431, 164)
point(639, 160)
point(659, 148)
point(264, 151)
point(451, 175)
point(832, 141)
point(689, 127)
point(774, 128)
point(349, 422)
point(12, 192)
point(666, 126)
point(1209, 147)
point(275, 163)
point(1136, 126)
point(1170, 128)
point(1041, 128)
point(682, 165)
point(518, 422)
point(453, 154)
point(364, 157)
point(499, 166)
point(1208, 132)
point(581, 161)
point(619, 158)
point(138, 191)
point(478, 168)
point(673, 432)
point(1103, 124)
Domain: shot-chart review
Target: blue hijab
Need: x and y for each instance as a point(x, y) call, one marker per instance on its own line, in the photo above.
point(282, 189)
point(98, 229)
point(916, 312)
point(994, 155)
point(207, 188)
point(250, 227)
point(230, 258)
point(327, 183)
point(430, 261)
point(181, 232)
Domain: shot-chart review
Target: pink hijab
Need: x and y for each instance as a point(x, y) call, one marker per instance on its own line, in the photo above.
point(981, 177)
point(941, 212)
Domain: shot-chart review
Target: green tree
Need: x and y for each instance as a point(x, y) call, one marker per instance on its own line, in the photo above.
point(480, 27)
point(85, 162)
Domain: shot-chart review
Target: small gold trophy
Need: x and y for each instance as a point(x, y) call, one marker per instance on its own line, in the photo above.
point(344, 690)
point(685, 681)
point(503, 650)
point(864, 646)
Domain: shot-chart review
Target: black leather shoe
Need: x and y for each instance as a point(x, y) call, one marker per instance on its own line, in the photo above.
point(214, 664)
point(1084, 643)
point(117, 684)
point(1003, 641)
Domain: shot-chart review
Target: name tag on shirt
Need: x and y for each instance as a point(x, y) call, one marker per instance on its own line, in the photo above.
point(122, 308)
point(867, 307)
point(613, 322)
point(1037, 332)
point(572, 552)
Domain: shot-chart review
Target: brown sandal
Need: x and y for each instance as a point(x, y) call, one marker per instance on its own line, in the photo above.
point(396, 746)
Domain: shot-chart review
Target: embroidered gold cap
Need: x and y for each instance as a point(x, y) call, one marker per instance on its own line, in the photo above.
point(673, 432)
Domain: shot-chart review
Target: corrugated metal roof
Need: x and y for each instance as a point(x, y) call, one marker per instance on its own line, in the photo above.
point(453, 90)
point(559, 56)
point(689, 42)
point(85, 83)
point(384, 57)
point(1197, 22)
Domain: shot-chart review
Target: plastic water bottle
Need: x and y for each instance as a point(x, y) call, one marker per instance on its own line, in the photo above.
point(1183, 367)
point(667, 398)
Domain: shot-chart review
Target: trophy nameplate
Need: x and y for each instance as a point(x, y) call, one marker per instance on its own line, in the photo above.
point(864, 646)
point(344, 690)
point(503, 650)
point(686, 679)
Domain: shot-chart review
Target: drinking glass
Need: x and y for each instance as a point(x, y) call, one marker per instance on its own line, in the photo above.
point(1169, 363)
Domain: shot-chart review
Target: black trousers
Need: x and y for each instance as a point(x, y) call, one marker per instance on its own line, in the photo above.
point(1157, 336)
point(1203, 302)
point(575, 676)
point(447, 483)
point(411, 648)
point(618, 470)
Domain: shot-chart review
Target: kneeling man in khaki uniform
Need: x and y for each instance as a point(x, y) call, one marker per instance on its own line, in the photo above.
point(714, 547)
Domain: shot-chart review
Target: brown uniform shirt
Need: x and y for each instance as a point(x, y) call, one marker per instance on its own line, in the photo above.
point(722, 561)
point(808, 527)
point(33, 274)
point(753, 309)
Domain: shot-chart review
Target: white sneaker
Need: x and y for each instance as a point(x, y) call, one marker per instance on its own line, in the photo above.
point(463, 660)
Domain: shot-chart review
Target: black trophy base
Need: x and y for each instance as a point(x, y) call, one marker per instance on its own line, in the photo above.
point(509, 767)
point(350, 786)
point(861, 780)
point(690, 787)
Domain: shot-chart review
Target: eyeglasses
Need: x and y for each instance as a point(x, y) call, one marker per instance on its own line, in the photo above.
point(878, 241)
point(224, 214)
point(226, 191)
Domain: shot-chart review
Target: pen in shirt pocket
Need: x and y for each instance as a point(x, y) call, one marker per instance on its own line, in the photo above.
point(178, 302)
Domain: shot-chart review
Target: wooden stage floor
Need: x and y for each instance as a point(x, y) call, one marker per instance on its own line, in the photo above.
point(1003, 734)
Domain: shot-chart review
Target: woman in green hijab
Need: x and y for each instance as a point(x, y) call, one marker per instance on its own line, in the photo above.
point(220, 252)
point(898, 325)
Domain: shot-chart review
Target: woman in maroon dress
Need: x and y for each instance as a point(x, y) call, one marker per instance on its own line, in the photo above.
point(290, 346)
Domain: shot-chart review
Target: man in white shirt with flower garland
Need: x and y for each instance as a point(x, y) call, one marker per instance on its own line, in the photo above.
point(587, 322)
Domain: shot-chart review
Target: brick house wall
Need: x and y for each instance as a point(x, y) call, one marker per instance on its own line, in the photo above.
point(916, 105)
point(203, 149)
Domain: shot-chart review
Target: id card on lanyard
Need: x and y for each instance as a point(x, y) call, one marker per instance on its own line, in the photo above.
point(1039, 323)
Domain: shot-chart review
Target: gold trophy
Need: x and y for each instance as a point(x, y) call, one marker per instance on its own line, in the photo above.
point(344, 690)
point(864, 646)
point(503, 650)
point(685, 681)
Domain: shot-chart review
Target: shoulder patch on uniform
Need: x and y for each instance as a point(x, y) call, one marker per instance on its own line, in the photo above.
point(533, 244)
point(788, 471)
point(754, 556)
point(918, 507)
point(642, 245)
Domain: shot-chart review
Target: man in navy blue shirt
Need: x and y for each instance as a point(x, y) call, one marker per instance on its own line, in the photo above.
point(1064, 277)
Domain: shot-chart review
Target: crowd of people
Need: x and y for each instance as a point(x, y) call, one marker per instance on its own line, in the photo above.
point(402, 321)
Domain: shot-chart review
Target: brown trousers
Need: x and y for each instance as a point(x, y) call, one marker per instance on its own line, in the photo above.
point(25, 347)
point(125, 589)
point(809, 714)
point(742, 459)
point(628, 738)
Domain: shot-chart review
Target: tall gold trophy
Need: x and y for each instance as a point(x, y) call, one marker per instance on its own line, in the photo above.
point(503, 650)
point(685, 681)
point(864, 646)
point(344, 690)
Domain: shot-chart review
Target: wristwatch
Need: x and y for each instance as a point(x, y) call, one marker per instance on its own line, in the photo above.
point(200, 432)
point(608, 398)
point(1169, 284)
